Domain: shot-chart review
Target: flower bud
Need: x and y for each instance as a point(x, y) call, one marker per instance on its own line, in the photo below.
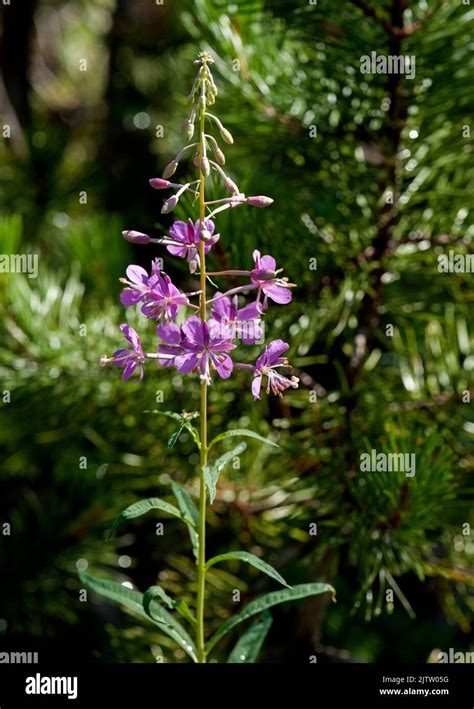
point(259, 201)
point(158, 184)
point(231, 186)
point(205, 167)
point(220, 157)
point(136, 237)
point(169, 204)
point(226, 135)
point(196, 160)
point(188, 129)
point(170, 169)
point(206, 234)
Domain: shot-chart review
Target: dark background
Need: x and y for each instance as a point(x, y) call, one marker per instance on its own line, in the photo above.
point(76, 445)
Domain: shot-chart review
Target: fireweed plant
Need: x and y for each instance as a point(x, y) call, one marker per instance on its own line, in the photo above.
point(203, 344)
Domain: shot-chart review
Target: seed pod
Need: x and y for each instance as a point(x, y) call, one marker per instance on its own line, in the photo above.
point(170, 169)
point(226, 135)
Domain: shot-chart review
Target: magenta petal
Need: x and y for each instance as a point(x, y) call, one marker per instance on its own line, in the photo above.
point(221, 308)
point(186, 363)
point(224, 367)
point(275, 349)
point(130, 297)
point(137, 274)
point(169, 333)
point(279, 294)
point(179, 231)
point(256, 386)
point(195, 331)
point(129, 369)
point(268, 263)
point(180, 251)
point(132, 336)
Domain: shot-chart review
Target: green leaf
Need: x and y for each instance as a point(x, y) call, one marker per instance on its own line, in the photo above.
point(248, 646)
point(184, 419)
point(189, 513)
point(241, 432)
point(212, 472)
point(250, 559)
point(137, 509)
point(157, 592)
point(174, 437)
point(267, 601)
point(133, 601)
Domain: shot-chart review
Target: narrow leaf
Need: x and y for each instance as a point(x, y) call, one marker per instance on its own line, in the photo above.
point(267, 601)
point(248, 646)
point(189, 513)
point(155, 592)
point(174, 437)
point(212, 472)
point(133, 601)
point(241, 432)
point(137, 509)
point(250, 559)
point(184, 419)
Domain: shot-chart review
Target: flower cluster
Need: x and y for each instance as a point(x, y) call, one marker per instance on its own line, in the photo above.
point(203, 340)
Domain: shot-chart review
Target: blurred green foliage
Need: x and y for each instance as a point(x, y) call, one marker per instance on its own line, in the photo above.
point(381, 339)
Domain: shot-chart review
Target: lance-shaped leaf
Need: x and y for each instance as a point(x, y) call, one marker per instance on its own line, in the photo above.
point(267, 601)
point(155, 592)
point(249, 559)
point(248, 646)
point(241, 432)
point(184, 421)
point(133, 601)
point(212, 472)
point(137, 509)
point(189, 513)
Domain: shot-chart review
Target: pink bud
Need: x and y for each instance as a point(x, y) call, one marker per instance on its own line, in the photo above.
point(220, 157)
point(231, 186)
point(205, 167)
point(169, 204)
point(170, 169)
point(158, 184)
point(136, 237)
point(260, 201)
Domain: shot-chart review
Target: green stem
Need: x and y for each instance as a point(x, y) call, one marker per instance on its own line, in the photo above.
point(201, 563)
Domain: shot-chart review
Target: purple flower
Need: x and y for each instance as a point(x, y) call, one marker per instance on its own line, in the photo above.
point(187, 237)
point(203, 351)
point(171, 336)
point(163, 300)
point(128, 360)
point(266, 365)
point(139, 283)
point(264, 276)
point(231, 321)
